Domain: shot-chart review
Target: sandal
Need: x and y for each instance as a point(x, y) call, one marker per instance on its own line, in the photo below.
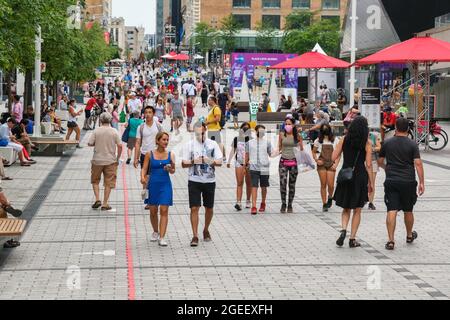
point(7, 179)
point(97, 205)
point(411, 239)
point(390, 245)
point(340, 241)
point(354, 244)
point(14, 212)
point(108, 208)
point(10, 244)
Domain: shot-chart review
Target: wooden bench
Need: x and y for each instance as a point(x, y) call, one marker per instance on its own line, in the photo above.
point(12, 227)
point(52, 146)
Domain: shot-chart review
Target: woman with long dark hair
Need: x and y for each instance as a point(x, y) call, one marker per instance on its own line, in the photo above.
point(238, 149)
point(355, 181)
point(326, 167)
point(287, 141)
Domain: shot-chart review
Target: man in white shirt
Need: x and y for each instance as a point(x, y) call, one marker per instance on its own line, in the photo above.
point(134, 104)
point(201, 156)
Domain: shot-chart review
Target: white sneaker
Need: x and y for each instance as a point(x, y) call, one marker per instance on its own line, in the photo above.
point(248, 204)
point(155, 237)
point(163, 243)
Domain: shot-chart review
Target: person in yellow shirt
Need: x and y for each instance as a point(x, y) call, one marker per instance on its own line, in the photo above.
point(213, 122)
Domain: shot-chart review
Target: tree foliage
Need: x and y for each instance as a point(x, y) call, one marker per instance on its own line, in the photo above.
point(265, 36)
point(228, 30)
point(204, 37)
point(324, 32)
point(70, 54)
point(298, 20)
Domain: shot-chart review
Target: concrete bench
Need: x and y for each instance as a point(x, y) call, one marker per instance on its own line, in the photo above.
point(9, 154)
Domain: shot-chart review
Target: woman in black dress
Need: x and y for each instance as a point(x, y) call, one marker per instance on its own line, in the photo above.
point(204, 95)
point(353, 194)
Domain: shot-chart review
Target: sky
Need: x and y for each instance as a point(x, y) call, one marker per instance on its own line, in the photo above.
point(137, 13)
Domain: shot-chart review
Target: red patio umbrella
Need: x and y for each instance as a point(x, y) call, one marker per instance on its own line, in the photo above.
point(312, 61)
point(181, 57)
point(170, 55)
point(418, 50)
point(415, 50)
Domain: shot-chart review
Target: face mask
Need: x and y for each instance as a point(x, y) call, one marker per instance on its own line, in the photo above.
point(245, 130)
point(261, 134)
point(289, 128)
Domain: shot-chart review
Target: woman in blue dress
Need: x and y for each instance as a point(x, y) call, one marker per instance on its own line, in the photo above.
point(161, 163)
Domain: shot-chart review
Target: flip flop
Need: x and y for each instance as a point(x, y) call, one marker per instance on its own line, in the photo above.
point(108, 208)
point(7, 179)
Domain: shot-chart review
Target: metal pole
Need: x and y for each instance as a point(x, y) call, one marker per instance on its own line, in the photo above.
point(416, 102)
point(316, 89)
point(37, 85)
point(427, 106)
point(353, 55)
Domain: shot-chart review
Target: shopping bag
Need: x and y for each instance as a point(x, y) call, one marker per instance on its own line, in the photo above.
point(305, 159)
point(122, 117)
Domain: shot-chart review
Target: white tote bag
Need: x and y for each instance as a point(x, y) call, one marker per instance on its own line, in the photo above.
point(305, 159)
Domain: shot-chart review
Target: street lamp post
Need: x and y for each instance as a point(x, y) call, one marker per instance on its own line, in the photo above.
point(353, 55)
point(37, 88)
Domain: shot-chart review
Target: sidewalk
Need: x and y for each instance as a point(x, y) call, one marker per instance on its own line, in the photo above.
point(72, 252)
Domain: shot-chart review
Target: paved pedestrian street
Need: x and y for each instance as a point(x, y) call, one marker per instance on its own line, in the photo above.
point(70, 251)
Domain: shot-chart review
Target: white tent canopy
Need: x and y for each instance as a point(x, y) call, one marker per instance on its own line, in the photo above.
point(198, 57)
point(318, 48)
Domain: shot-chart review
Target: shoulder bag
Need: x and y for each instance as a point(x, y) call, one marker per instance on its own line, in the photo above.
point(346, 175)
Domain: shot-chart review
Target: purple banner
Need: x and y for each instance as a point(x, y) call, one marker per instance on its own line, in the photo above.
point(247, 62)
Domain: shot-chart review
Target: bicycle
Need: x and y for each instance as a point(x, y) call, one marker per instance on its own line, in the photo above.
point(437, 139)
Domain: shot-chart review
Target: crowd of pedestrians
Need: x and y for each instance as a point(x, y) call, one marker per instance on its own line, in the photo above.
point(152, 92)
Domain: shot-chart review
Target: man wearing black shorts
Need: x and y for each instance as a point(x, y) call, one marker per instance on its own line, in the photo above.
point(402, 160)
point(201, 156)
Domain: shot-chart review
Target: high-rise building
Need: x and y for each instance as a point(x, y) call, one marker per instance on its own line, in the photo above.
point(135, 42)
point(117, 34)
point(99, 11)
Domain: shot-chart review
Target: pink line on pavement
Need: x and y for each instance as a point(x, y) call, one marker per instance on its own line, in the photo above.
point(128, 250)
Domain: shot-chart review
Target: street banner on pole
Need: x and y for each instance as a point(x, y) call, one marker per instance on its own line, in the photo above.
point(370, 102)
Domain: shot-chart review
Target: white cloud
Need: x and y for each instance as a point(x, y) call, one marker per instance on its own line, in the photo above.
point(137, 13)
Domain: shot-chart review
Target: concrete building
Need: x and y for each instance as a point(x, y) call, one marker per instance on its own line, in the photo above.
point(117, 31)
point(99, 11)
point(163, 18)
point(135, 42)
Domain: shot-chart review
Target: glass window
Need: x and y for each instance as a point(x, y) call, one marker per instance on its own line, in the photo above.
point(301, 4)
point(273, 20)
point(242, 3)
point(244, 20)
point(330, 4)
point(271, 4)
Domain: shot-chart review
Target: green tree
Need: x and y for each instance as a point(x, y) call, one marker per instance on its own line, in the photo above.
point(298, 20)
point(265, 36)
point(324, 32)
point(152, 54)
point(228, 31)
point(204, 37)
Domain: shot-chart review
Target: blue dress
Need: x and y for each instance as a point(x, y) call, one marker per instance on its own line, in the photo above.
point(159, 185)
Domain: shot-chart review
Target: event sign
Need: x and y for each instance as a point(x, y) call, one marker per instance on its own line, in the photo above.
point(370, 102)
point(248, 62)
point(254, 106)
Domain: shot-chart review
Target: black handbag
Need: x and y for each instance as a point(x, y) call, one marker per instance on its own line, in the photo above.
point(346, 175)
